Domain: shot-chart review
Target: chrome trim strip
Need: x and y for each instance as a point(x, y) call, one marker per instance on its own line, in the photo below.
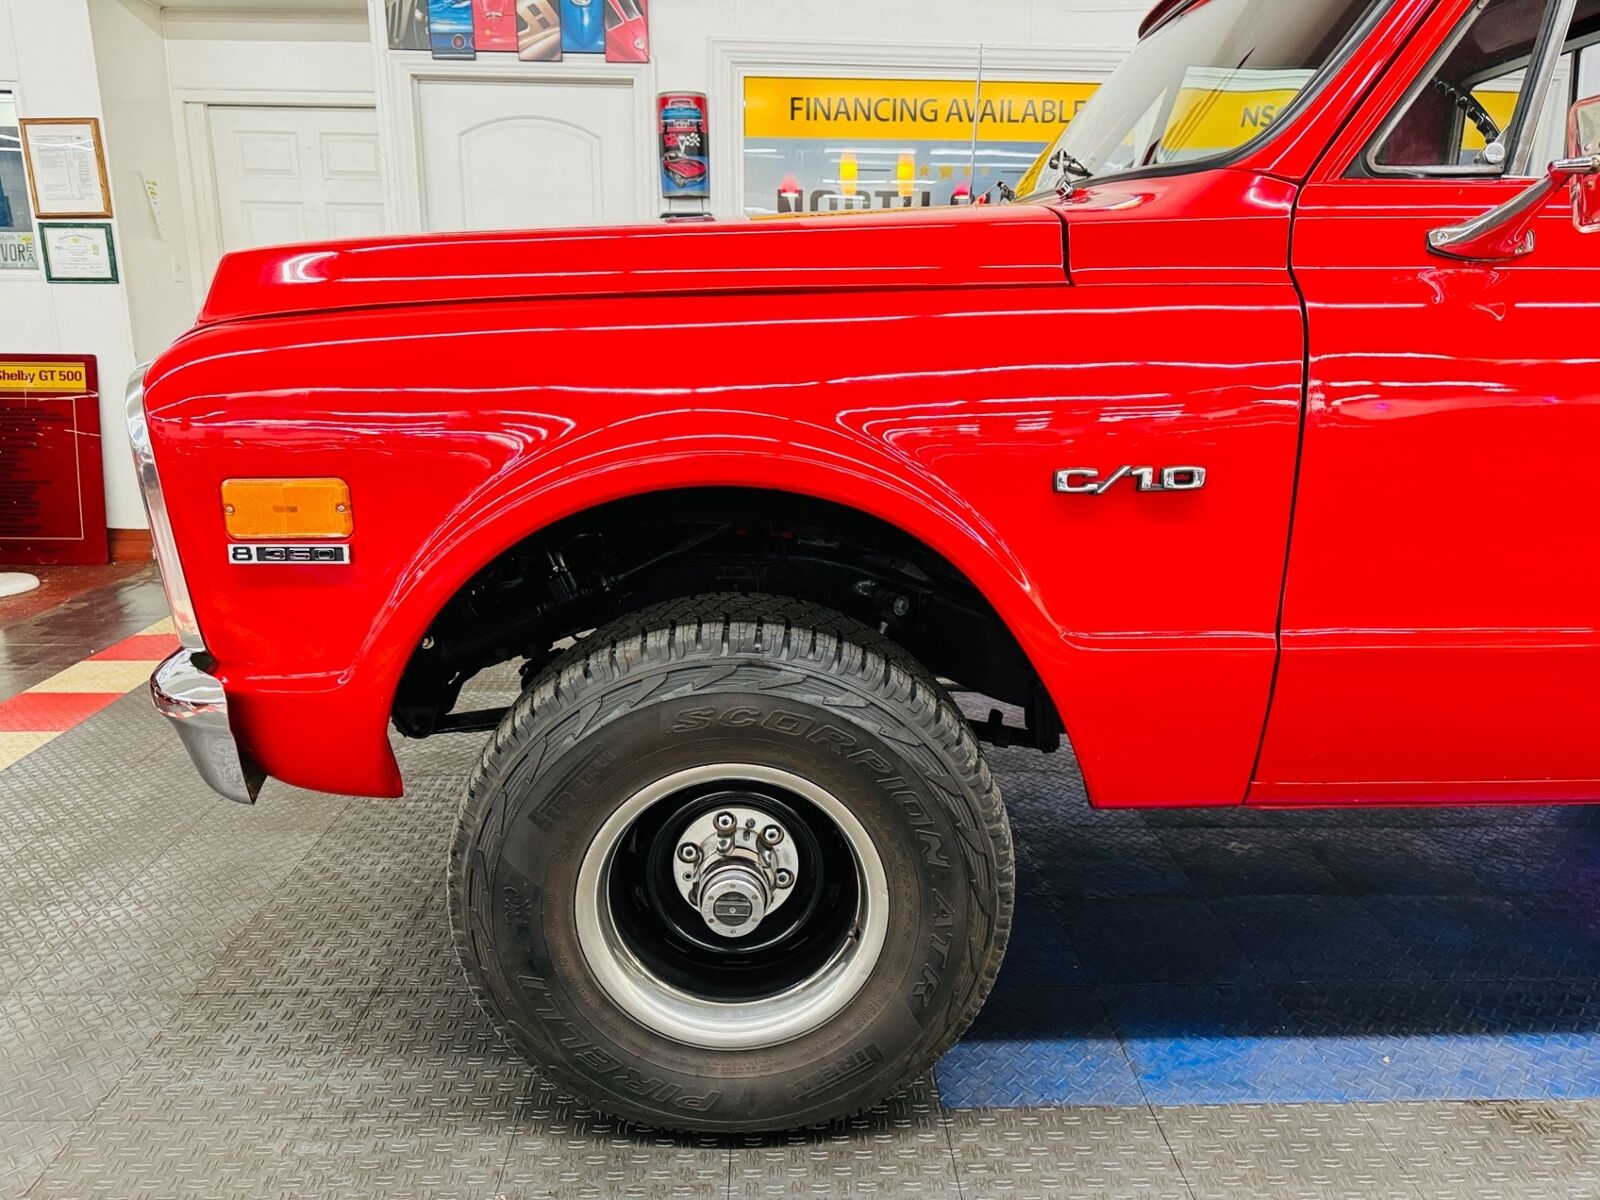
point(155, 507)
point(1546, 57)
point(193, 700)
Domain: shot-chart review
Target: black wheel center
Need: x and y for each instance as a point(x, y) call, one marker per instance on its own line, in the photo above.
point(669, 935)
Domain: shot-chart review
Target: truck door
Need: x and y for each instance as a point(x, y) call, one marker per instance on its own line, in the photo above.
point(1441, 617)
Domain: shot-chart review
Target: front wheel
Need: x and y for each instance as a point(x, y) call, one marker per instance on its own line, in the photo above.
point(735, 863)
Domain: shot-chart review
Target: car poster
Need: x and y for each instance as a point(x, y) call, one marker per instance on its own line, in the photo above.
point(450, 28)
point(408, 24)
point(685, 163)
point(627, 31)
point(836, 145)
point(494, 26)
point(538, 30)
point(583, 26)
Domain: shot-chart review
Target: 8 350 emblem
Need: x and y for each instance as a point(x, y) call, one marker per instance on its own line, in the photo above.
point(1087, 481)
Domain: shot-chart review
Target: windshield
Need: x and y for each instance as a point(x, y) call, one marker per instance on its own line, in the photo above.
point(1204, 83)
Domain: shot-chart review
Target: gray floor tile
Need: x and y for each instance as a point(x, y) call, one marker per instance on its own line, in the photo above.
point(1281, 1152)
point(1491, 1151)
point(585, 1164)
point(1045, 1153)
point(268, 1160)
point(61, 1055)
point(278, 1056)
point(25, 1148)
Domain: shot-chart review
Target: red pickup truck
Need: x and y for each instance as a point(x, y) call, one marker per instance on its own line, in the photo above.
point(1240, 460)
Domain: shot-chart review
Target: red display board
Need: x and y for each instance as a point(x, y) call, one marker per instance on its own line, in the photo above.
point(52, 488)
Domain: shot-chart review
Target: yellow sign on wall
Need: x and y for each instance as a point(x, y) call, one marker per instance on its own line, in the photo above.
point(920, 110)
point(62, 377)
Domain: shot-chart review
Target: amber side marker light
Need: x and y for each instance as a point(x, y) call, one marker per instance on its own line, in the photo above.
point(287, 508)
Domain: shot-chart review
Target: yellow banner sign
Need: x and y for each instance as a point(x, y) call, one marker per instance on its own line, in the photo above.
point(70, 377)
point(922, 110)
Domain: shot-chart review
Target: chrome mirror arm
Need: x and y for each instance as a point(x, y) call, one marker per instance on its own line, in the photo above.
point(1503, 233)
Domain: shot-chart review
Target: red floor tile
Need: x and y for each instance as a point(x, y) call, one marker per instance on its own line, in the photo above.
point(148, 647)
point(51, 711)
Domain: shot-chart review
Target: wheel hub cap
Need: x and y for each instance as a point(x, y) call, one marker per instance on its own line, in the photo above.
point(736, 866)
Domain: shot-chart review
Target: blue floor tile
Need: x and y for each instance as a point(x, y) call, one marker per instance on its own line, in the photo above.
point(1249, 956)
point(1292, 939)
point(1144, 939)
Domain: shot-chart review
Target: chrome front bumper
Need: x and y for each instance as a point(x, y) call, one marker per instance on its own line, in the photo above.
point(193, 700)
point(184, 690)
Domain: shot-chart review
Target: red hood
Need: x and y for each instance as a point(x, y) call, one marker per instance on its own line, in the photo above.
point(956, 247)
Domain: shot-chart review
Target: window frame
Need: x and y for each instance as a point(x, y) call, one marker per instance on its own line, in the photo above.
point(1540, 64)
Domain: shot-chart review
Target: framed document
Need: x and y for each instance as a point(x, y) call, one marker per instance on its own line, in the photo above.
point(77, 252)
point(66, 166)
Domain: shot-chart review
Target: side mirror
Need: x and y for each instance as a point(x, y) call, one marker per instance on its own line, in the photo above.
point(1503, 233)
point(1583, 141)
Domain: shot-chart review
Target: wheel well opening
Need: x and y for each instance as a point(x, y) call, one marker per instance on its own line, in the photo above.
point(605, 562)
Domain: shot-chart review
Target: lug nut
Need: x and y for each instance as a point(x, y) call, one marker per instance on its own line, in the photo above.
point(725, 822)
point(688, 852)
point(784, 878)
point(772, 835)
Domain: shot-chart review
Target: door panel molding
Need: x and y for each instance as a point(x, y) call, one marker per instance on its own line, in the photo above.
point(400, 119)
point(197, 168)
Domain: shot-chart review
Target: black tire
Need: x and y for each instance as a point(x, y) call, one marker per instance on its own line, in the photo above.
point(816, 695)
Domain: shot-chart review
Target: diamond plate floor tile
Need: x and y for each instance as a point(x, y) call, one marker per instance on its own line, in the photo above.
point(268, 1160)
point(1033, 1045)
point(585, 1165)
point(1103, 860)
point(1146, 939)
point(173, 922)
point(1295, 1152)
point(25, 1148)
point(1506, 1151)
point(428, 1055)
point(1047, 1153)
point(1250, 861)
point(61, 1055)
point(1293, 939)
point(900, 1148)
point(1489, 937)
point(1397, 862)
point(246, 1057)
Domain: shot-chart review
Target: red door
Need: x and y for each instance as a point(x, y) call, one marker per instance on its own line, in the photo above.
point(1441, 615)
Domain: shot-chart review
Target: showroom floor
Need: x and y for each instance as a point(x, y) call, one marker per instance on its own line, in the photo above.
point(199, 999)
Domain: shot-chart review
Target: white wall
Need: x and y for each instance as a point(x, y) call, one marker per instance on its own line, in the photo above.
point(47, 56)
point(224, 51)
point(131, 56)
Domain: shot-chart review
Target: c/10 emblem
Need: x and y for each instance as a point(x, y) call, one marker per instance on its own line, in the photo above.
point(1086, 481)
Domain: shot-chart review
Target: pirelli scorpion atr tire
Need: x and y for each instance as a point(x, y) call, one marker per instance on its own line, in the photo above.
point(734, 863)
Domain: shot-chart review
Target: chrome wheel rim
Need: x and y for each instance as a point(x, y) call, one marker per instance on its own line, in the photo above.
point(617, 949)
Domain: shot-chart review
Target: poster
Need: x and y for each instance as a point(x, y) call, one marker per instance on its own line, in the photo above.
point(408, 24)
point(538, 30)
point(494, 25)
point(627, 31)
point(685, 166)
point(833, 145)
point(450, 28)
point(583, 26)
point(77, 252)
point(18, 250)
point(52, 485)
point(66, 166)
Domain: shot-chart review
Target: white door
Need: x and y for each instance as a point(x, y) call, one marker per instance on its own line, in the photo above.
point(518, 155)
point(291, 174)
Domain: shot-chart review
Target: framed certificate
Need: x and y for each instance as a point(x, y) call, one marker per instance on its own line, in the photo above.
point(77, 252)
point(66, 166)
